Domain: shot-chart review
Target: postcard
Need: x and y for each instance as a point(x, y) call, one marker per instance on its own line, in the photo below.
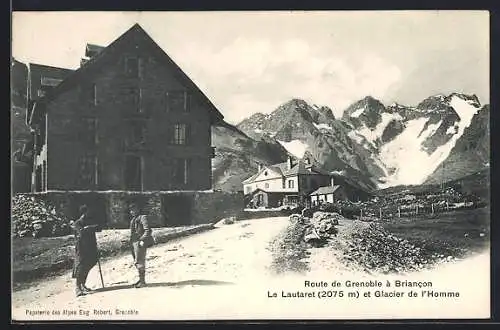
point(284, 165)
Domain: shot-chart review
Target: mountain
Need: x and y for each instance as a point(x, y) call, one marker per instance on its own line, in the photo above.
point(300, 127)
point(373, 144)
point(471, 152)
point(411, 142)
point(237, 156)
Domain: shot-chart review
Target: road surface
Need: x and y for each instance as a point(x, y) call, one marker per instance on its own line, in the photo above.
point(224, 274)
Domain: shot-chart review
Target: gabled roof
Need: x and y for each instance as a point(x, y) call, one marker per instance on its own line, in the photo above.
point(325, 190)
point(96, 61)
point(282, 168)
point(250, 179)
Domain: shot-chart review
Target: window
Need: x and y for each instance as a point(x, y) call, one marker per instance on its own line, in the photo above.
point(87, 170)
point(181, 134)
point(290, 183)
point(47, 81)
point(266, 185)
point(181, 169)
point(132, 67)
point(284, 183)
point(89, 94)
point(93, 94)
point(137, 133)
point(90, 133)
point(136, 95)
point(178, 101)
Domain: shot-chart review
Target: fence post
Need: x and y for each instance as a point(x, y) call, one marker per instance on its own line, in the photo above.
point(361, 215)
point(399, 212)
point(380, 212)
point(432, 208)
point(416, 210)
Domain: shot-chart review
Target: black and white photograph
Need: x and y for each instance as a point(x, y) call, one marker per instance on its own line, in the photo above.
point(250, 165)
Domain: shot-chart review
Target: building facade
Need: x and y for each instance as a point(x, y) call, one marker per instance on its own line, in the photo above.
point(127, 119)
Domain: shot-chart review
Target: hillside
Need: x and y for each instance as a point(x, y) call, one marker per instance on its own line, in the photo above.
point(237, 156)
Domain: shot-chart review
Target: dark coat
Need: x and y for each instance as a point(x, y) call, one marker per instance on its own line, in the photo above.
point(86, 252)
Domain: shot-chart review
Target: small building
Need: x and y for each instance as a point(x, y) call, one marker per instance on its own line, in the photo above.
point(128, 119)
point(329, 194)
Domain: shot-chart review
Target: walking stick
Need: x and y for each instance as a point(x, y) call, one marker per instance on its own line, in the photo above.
point(100, 271)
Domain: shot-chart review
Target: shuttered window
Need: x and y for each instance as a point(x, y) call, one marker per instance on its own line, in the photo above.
point(181, 134)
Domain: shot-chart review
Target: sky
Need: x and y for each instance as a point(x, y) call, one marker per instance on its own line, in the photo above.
point(248, 62)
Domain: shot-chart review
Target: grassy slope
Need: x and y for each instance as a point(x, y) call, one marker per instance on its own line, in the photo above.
point(447, 233)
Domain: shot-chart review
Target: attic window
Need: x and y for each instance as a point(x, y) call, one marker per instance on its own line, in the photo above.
point(178, 101)
point(265, 173)
point(47, 81)
point(132, 67)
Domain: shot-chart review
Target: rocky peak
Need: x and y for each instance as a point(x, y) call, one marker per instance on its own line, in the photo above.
point(366, 111)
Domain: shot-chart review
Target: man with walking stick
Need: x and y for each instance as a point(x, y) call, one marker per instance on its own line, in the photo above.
point(86, 251)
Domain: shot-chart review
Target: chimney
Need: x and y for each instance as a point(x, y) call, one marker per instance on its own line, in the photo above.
point(289, 162)
point(92, 50)
point(332, 181)
point(259, 166)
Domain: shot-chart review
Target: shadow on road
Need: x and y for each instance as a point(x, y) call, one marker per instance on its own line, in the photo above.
point(163, 284)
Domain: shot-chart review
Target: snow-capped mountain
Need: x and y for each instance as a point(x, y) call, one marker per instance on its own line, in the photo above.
point(374, 144)
point(471, 152)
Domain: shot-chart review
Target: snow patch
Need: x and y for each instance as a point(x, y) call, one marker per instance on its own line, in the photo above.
point(405, 152)
point(452, 129)
point(356, 137)
point(339, 172)
point(295, 147)
point(357, 113)
point(376, 133)
point(323, 126)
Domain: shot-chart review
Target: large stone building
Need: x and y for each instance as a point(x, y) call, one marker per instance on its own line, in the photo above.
point(128, 119)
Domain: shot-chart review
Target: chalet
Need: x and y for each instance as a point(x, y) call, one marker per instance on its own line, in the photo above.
point(288, 183)
point(127, 119)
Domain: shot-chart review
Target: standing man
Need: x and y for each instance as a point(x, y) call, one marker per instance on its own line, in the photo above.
point(86, 252)
point(140, 240)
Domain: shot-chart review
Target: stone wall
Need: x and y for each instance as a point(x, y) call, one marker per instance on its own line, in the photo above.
point(165, 209)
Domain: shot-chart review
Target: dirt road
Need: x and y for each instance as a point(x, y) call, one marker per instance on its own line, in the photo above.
point(224, 274)
point(227, 255)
